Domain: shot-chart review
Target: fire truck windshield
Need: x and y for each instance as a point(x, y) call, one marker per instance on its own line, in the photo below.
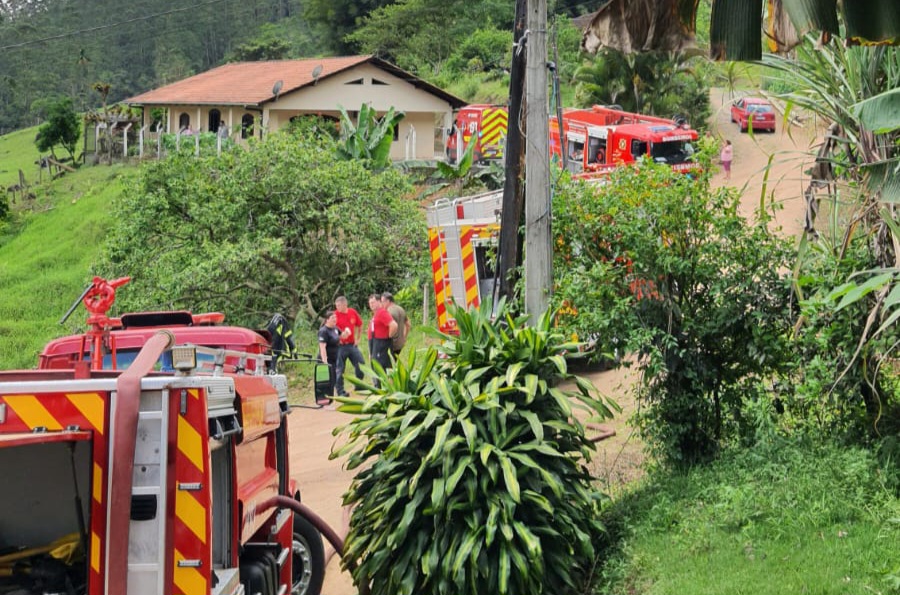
point(672, 152)
point(124, 359)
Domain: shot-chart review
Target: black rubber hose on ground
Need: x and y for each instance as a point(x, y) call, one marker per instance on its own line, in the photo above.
point(307, 513)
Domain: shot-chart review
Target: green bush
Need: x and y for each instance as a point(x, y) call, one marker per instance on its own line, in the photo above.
point(834, 386)
point(281, 226)
point(473, 467)
point(484, 50)
point(659, 264)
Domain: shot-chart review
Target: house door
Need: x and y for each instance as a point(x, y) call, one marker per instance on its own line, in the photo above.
point(215, 119)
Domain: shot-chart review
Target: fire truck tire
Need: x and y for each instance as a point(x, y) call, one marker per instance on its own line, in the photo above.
point(308, 564)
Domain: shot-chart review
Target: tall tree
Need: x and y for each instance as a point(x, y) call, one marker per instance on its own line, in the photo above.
point(62, 127)
point(405, 31)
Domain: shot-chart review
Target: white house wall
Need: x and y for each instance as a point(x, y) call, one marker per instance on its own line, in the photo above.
point(426, 114)
point(231, 115)
point(421, 107)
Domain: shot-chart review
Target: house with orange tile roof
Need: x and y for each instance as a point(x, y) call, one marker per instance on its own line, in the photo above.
point(252, 98)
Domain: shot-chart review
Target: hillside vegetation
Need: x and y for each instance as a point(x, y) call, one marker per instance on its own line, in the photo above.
point(46, 257)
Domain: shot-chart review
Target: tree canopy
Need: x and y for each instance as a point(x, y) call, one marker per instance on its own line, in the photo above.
point(62, 127)
point(284, 227)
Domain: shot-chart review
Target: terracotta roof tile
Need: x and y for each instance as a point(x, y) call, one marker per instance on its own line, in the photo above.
point(246, 83)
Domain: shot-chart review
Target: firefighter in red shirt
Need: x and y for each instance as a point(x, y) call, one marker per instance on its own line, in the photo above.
point(383, 328)
point(349, 324)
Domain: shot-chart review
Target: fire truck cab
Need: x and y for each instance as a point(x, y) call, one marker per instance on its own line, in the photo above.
point(600, 138)
point(149, 456)
point(483, 124)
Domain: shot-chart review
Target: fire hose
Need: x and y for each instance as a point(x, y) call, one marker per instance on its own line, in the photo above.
point(306, 512)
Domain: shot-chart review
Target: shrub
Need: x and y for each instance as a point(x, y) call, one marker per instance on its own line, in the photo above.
point(474, 476)
point(662, 265)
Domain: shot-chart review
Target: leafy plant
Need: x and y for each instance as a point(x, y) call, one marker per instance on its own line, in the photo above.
point(659, 264)
point(473, 476)
point(370, 137)
point(848, 86)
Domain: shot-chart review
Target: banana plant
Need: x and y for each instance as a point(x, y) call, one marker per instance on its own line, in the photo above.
point(734, 32)
point(370, 137)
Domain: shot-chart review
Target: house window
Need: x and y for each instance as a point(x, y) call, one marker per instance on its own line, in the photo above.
point(355, 82)
point(246, 126)
point(184, 122)
point(396, 132)
point(215, 119)
point(377, 82)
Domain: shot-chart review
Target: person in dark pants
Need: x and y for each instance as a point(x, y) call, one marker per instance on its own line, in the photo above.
point(383, 329)
point(349, 324)
point(373, 306)
point(329, 344)
point(398, 340)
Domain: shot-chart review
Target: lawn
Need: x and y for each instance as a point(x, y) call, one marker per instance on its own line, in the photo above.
point(776, 520)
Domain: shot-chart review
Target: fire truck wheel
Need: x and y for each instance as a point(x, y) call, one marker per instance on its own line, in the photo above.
point(308, 564)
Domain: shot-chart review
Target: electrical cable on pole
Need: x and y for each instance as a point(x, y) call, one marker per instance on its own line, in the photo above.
point(563, 142)
point(509, 255)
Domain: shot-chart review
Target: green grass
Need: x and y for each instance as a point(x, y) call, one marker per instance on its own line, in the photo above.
point(780, 521)
point(47, 257)
point(17, 151)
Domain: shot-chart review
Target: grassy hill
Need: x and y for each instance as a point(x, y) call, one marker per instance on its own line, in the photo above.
point(17, 152)
point(47, 254)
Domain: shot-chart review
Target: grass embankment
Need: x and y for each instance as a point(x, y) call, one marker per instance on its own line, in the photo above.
point(17, 152)
point(48, 250)
point(788, 520)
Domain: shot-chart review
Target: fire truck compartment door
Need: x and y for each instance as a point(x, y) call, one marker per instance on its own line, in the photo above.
point(43, 472)
point(27, 438)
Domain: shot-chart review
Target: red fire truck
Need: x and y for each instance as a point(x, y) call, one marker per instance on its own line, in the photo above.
point(483, 124)
point(463, 234)
point(149, 456)
point(602, 138)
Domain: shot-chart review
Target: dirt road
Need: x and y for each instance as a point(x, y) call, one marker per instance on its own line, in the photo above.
point(618, 460)
point(788, 149)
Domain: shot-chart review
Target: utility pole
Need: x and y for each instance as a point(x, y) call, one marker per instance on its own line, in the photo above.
point(538, 263)
point(510, 251)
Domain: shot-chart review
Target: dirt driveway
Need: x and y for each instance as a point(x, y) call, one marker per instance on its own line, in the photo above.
point(618, 459)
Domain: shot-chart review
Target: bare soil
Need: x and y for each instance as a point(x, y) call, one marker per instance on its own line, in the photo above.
point(619, 459)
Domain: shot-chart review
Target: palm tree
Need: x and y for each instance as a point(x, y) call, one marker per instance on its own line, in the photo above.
point(660, 83)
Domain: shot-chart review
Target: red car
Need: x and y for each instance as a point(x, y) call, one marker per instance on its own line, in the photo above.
point(758, 111)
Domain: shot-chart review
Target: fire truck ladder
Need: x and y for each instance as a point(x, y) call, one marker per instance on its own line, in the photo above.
point(148, 497)
point(451, 216)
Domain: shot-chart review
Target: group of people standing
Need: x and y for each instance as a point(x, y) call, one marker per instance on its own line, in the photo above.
point(339, 338)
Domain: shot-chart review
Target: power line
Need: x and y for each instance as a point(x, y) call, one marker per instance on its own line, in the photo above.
point(109, 26)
